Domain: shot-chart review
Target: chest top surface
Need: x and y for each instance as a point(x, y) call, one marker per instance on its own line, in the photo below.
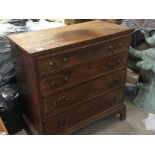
point(37, 41)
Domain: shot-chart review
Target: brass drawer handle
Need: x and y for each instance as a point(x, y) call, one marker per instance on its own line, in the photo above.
point(53, 83)
point(113, 83)
point(61, 100)
point(113, 65)
point(113, 49)
point(110, 65)
point(120, 44)
point(65, 78)
point(51, 63)
point(61, 83)
point(58, 66)
point(55, 66)
point(65, 59)
point(65, 123)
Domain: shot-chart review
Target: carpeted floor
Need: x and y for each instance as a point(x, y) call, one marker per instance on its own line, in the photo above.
point(133, 125)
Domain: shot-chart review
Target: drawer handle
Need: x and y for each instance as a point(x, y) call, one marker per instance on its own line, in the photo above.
point(65, 123)
point(56, 84)
point(120, 44)
point(113, 83)
point(65, 59)
point(114, 65)
point(61, 100)
point(58, 66)
point(65, 78)
point(51, 63)
point(55, 66)
point(52, 83)
point(113, 49)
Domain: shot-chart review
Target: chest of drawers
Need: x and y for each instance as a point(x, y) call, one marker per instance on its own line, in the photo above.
point(71, 76)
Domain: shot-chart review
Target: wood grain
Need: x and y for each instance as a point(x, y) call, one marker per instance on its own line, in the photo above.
point(42, 40)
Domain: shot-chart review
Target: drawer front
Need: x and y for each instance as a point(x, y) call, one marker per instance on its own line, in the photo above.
point(82, 72)
point(60, 101)
point(63, 121)
point(55, 63)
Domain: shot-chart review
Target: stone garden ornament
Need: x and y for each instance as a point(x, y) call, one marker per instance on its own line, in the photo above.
point(145, 99)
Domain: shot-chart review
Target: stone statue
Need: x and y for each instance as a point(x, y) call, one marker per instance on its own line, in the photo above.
point(145, 99)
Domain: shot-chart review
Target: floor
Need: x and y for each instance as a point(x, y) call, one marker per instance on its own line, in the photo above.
point(133, 125)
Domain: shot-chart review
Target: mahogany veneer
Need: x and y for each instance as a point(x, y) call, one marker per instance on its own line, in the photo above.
point(71, 76)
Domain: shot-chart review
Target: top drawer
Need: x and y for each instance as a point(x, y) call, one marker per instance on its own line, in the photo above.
point(55, 63)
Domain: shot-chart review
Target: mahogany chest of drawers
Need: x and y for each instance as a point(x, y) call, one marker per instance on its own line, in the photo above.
point(71, 76)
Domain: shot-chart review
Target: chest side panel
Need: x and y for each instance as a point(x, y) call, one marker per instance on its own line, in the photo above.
point(26, 78)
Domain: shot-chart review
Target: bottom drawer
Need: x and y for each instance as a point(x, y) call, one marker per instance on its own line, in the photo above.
point(66, 120)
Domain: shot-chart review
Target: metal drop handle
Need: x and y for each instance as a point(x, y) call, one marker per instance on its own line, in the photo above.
point(113, 83)
point(59, 83)
point(113, 49)
point(61, 100)
point(58, 66)
point(115, 64)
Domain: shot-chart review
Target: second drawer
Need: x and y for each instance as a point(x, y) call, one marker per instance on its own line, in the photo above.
point(81, 73)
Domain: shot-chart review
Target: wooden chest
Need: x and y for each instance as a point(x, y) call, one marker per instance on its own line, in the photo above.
point(71, 76)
